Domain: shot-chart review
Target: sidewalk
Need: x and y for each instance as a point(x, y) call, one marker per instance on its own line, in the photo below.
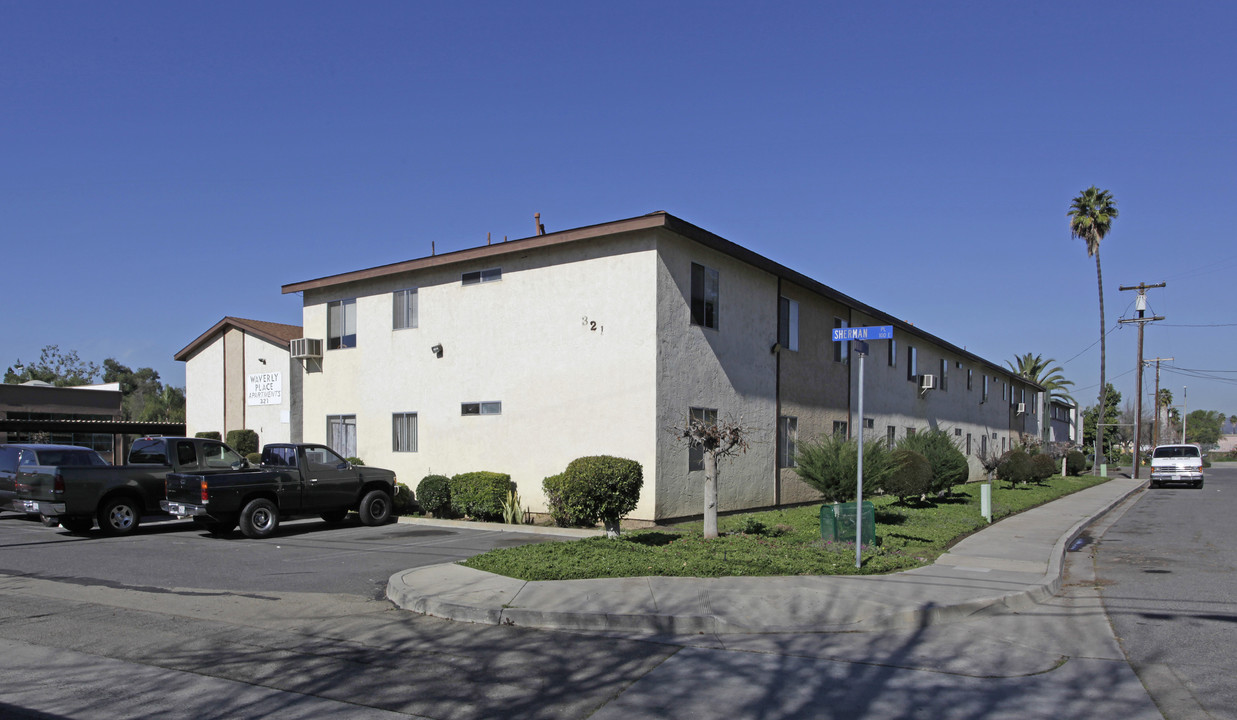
point(1013, 563)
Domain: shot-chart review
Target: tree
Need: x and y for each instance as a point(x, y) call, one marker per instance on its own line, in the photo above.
point(716, 441)
point(1091, 215)
point(1203, 427)
point(55, 367)
point(948, 464)
point(1042, 372)
point(1112, 416)
point(145, 398)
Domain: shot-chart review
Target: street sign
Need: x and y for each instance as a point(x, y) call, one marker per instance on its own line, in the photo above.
point(877, 332)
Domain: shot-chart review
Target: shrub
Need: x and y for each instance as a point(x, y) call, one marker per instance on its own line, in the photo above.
point(434, 492)
point(404, 502)
point(355, 461)
point(243, 441)
point(948, 464)
point(1015, 467)
point(1042, 467)
point(594, 488)
point(831, 464)
point(209, 435)
point(479, 494)
point(1075, 462)
point(254, 458)
point(912, 475)
point(753, 526)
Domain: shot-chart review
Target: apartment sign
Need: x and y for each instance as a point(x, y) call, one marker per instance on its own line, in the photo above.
point(264, 389)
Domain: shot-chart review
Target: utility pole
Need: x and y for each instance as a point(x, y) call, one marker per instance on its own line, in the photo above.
point(1142, 320)
point(1155, 435)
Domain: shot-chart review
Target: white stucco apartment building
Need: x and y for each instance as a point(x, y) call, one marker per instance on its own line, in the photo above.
point(521, 356)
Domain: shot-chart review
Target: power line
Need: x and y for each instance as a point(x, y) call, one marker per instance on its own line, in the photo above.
point(1110, 332)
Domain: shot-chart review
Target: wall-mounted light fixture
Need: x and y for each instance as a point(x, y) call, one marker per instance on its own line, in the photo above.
point(262, 360)
point(437, 350)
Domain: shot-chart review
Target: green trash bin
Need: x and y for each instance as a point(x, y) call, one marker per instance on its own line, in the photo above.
point(837, 522)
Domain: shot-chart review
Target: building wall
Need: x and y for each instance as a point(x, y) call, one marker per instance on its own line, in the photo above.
point(204, 393)
point(272, 421)
point(566, 341)
point(233, 380)
point(730, 369)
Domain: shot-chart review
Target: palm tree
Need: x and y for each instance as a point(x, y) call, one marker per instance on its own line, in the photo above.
point(1043, 373)
point(1090, 218)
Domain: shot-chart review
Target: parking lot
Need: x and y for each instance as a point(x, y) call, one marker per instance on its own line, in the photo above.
point(304, 556)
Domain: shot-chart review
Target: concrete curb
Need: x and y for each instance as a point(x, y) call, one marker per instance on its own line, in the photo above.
point(479, 597)
point(503, 527)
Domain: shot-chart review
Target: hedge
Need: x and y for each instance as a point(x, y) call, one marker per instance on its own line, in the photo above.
point(594, 488)
point(434, 494)
point(243, 441)
point(480, 494)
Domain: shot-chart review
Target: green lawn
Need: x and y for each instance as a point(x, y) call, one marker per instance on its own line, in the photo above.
point(908, 536)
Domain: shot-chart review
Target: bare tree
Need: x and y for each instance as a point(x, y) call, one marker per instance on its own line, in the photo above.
point(716, 441)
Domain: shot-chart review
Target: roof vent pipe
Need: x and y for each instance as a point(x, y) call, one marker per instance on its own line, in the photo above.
point(537, 220)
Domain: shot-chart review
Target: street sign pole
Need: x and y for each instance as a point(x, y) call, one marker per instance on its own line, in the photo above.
point(861, 348)
point(861, 334)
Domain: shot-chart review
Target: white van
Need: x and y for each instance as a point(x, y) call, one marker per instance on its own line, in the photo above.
point(1177, 463)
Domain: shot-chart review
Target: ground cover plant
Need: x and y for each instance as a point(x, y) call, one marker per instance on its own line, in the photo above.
point(777, 542)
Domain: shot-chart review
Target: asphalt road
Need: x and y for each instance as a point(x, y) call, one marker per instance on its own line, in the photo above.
point(173, 623)
point(1168, 572)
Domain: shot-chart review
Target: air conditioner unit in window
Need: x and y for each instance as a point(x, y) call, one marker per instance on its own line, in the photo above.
point(927, 382)
point(1022, 408)
point(303, 348)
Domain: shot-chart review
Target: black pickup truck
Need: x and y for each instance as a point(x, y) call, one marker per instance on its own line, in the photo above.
point(294, 479)
point(75, 495)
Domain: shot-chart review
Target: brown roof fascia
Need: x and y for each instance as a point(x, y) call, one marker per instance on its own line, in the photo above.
point(643, 222)
point(275, 333)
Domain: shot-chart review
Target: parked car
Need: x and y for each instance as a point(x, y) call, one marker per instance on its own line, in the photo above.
point(18, 458)
point(1176, 463)
point(75, 496)
point(295, 479)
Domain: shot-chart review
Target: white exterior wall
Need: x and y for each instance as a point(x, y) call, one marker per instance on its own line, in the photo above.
point(730, 369)
point(527, 341)
point(204, 396)
point(271, 422)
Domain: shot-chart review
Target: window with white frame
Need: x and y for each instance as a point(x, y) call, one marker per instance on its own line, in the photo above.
point(893, 353)
point(404, 309)
point(839, 428)
point(404, 432)
point(787, 435)
point(891, 435)
point(341, 324)
point(695, 453)
point(984, 397)
point(481, 408)
point(477, 277)
point(944, 383)
point(705, 298)
point(788, 323)
point(912, 367)
point(341, 434)
point(841, 350)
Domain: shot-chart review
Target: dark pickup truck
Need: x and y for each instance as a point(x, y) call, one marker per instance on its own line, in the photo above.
point(118, 496)
point(294, 479)
point(20, 461)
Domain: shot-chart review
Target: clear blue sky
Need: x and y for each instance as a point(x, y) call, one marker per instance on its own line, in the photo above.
point(164, 164)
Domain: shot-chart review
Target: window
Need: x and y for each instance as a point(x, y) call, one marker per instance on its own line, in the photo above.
point(910, 431)
point(404, 304)
point(320, 458)
point(957, 432)
point(841, 350)
point(984, 397)
point(481, 408)
point(869, 424)
point(968, 443)
point(695, 454)
point(705, 287)
point(969, 378)
point(891, 435)
point(1002, 446)
point(944, 384)
point(983, 444)
point(788, 433)
point(893, 353)
point(341, 324)
point(482, 276)
point(404, 432)
point(839, 427)
point(911, 372)
point(218, 455)
point(1005, 394)
point(788, 324)
point(341, 434)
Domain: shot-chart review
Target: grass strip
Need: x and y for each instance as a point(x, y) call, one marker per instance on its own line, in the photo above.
point(777, 542)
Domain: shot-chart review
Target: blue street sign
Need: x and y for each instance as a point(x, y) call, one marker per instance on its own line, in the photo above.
point(878, 332)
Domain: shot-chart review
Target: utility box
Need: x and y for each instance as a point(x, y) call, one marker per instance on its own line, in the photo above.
point(837, 522)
